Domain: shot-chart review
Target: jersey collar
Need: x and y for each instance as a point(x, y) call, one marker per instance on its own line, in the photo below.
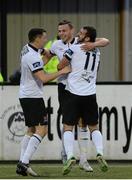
point(34, 48)
point(72, 41)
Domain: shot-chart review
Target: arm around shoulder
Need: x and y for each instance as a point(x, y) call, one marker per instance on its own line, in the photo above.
point(101, 42)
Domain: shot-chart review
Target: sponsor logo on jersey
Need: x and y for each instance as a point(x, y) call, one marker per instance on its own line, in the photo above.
point(36, 64)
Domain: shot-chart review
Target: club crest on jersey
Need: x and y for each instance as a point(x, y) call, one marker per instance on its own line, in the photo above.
point(36, 64)
point(69, 51)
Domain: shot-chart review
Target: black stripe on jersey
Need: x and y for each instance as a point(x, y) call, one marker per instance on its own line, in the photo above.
point(34, 48)
point(36, 70)
point(52, 53)
point(67, 57)
point(37, 138)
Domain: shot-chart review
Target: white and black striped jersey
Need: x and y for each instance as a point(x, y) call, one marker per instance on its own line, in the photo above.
point(58, 48)
point(31, 61)
point(82, 79)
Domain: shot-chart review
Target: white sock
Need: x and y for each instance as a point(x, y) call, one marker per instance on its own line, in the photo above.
point(24, 144)
point(34, 142)
point(63, 147)
point(68, 143)
point(82, 141)
point(98, 142)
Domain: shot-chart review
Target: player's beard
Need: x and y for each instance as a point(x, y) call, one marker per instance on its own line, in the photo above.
point(81, 40)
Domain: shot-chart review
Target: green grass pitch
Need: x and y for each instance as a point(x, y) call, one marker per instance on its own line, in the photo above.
point(54, 171)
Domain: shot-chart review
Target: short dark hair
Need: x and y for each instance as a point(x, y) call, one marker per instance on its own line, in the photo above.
point(35, 32)
point(63, 22)
point(91, 32)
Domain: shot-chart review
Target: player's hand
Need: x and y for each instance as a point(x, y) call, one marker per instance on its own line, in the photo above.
point(66, 70)
point(88, 46)
point(43, 51)
point(63, 63)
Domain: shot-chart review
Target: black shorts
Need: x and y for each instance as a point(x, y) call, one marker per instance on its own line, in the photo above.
point(34, 111)
point(62, 93)
point(76, 106)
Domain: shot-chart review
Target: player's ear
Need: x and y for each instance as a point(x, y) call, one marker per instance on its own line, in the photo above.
point(73, 30)
point(87, 39)
point(37, 39)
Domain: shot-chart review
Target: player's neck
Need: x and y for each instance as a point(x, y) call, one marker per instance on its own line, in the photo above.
point(35, 45)
point(69, 40)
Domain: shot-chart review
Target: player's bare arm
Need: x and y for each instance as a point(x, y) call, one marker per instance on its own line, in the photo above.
point(63, 63)
point(100, 42)
point(48, 77)
point(46, 56)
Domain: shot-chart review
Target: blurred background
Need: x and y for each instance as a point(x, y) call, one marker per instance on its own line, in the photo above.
point(112, 19)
